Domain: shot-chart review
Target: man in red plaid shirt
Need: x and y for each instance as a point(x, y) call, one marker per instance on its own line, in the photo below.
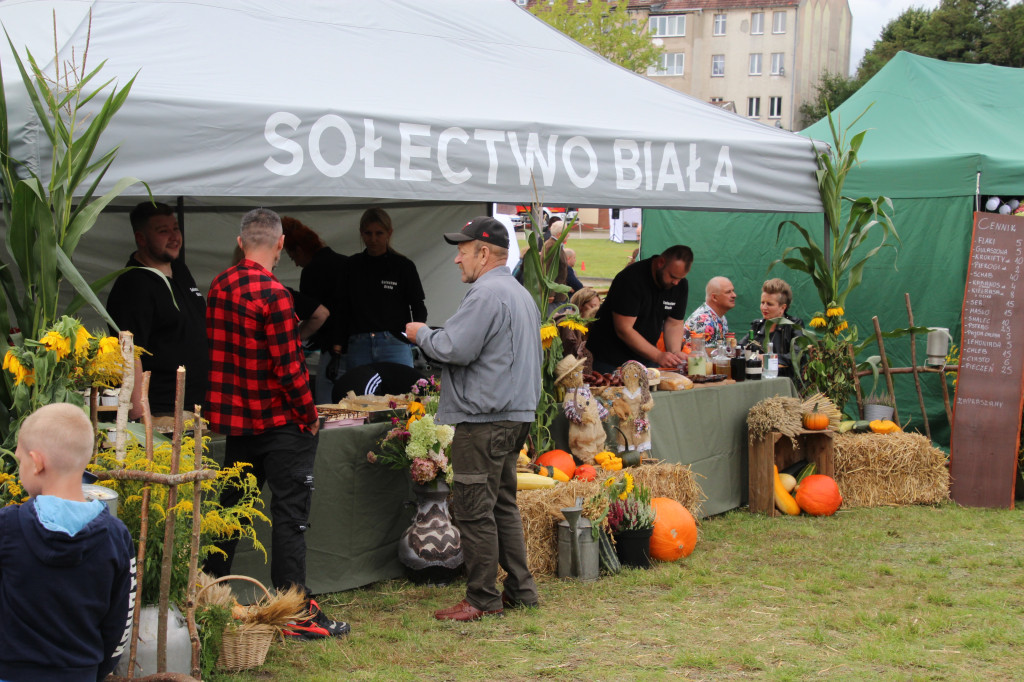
point(258, 396)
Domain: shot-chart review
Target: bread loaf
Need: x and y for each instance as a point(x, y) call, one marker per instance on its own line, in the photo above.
point(670, 381)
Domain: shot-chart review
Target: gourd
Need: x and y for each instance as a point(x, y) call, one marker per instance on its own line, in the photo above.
point(554, 473)
point(561, 460)
point(818, 495)
point(606, 553)
point(585, 472)
point(608, 461)
point(788, 482)
point(814, 420)
point(675, 531)
point(783, 500)
point(533, 481)
point(884, 426)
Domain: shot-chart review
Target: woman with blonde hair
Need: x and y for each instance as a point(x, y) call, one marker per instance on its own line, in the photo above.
point(776, 296)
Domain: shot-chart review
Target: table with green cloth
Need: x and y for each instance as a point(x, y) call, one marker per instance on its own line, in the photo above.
point(706, 428)
point(360, 509)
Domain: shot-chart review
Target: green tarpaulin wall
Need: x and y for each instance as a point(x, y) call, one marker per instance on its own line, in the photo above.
point(939, 134)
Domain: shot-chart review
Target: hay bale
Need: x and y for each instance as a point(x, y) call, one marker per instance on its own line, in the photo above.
point(541, 509)
point(874, 469)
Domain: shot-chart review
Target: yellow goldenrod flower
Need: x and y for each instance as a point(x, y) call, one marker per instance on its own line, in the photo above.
point(832, 312)
point(58, 344)
point(574, 325)
point(82, 337)
point(818, 322)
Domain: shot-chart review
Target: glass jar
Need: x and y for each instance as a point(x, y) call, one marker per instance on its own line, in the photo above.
point(697, 361)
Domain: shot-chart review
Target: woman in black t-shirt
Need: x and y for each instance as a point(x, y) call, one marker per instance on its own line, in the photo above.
point(383, 292)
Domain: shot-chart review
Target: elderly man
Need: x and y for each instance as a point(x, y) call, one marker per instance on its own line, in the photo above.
point(646, 299)
point(490, 384)
point(709, 318)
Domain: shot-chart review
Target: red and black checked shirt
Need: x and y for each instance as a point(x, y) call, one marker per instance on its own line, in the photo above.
point(258, 377)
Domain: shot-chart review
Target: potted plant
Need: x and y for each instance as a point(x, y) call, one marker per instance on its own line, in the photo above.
point(879, 407)
point(631, 520)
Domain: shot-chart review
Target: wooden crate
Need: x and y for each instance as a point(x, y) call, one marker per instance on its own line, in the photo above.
point(776, 449)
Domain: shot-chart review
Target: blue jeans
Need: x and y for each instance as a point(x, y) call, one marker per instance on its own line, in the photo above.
point(371, 347)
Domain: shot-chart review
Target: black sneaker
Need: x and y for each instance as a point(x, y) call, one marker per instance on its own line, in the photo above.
point(335, 628)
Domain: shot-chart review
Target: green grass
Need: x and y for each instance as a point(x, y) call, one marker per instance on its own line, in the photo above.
point(908, 593)
point(603, 258)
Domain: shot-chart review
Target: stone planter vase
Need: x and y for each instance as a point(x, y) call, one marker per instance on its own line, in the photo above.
point(431, 548)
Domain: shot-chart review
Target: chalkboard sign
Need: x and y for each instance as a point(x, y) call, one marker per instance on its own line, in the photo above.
point(990, 386)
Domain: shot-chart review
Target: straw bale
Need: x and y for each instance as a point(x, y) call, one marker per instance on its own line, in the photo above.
point(541, 509)
point(874, 469)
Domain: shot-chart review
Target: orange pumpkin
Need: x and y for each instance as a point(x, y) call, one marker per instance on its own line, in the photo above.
point(818, 495)
point(585, 472)
point(675, 530)
point(560, 459)
point(814, 420)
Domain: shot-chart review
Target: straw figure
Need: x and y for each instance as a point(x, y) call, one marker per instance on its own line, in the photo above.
point(632, 406)
point(584, 412)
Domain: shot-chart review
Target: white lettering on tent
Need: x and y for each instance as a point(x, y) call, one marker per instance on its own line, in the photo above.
point(283, 118)
point(648, 175)
point(624, 164)
point(490, 138)
point(723, 172)
point(322, 125)
point(533, 153)
point(413, 151)
point(579, 142)
point(691, 171)
point(443, 140)
point(371, 145)
point(670, 172)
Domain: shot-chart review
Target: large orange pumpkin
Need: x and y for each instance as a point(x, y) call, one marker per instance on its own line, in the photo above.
point(675, 530)
point(818, 495)
point(560, 459)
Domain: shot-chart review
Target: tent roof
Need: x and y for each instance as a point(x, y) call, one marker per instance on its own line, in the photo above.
point(401, 100)
point(933, 126)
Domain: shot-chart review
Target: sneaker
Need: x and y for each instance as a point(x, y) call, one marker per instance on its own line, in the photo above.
point(334, 628)
point(305, 629)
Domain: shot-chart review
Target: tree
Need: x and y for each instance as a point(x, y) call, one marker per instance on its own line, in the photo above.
point(905, 32)
point(831, 90)
point(604, 27)
point(1006, 42)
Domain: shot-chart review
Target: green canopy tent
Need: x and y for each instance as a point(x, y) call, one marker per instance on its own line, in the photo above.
point(941, 135)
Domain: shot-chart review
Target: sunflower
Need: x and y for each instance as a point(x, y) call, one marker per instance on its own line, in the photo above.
point(548, 332)
point(82, 338)
point(842, 325)
point(22, 374)
point(818, 321)
point(833, 312)
point(60, 345)
point(573, 325)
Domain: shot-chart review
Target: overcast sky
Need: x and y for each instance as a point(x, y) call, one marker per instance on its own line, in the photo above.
point(870, 16)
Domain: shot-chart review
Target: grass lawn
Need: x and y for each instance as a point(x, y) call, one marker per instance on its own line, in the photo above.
point(603, 258)
point(906, 593)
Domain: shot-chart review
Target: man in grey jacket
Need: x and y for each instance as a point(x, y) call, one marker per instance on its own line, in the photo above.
point(490, 384)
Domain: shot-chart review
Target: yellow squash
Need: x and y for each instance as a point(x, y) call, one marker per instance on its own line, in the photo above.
point(783, 500)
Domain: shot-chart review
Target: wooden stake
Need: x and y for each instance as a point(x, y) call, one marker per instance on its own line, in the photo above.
point(193, 555)
point(169, 522)
point(856, 382)
point(885, 369)
point(913, 364)
point(94, 416)
point(124, 397)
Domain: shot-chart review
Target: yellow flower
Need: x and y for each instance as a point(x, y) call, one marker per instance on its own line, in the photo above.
point(832, 312)
point(110, 344)
point(842, 325)
point(416, 408)
point(22, 374)
point(82, 337)
point(629, 487)
point(609, 482)
point(574, 325)
point(57, 343)
point(818, 321)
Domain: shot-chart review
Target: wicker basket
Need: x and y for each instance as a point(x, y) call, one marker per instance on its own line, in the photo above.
point(244, 646)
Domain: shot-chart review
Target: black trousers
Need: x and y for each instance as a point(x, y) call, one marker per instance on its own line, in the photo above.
point(281, 458)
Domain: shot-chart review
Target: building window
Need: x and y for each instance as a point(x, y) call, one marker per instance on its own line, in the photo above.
point(670, 64)
point(754, 107)
point(774, 107)
point(719, 25)
point(522, 3)
point(716, 100)
point(757, 23)
point(755, 64)
point(666, 26)
point(777, 68)
point(778, 22)
point(717, 65)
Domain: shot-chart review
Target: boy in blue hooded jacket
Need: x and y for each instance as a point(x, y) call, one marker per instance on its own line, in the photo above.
point(67, 567)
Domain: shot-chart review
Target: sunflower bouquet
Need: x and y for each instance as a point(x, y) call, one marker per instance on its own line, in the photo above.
point(629, 505)
point(417, 443)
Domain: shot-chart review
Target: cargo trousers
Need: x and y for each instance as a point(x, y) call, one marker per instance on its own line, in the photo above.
point(485, 511)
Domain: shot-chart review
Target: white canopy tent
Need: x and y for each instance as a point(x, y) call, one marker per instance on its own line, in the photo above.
point(435, 108)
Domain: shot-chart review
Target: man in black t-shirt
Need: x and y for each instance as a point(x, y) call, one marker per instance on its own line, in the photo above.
point(646, 299)
point(159, 303)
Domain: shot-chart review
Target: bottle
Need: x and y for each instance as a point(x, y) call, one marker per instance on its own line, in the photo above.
point(720, 357)
point(771, 363)
point(738, 363)
point(697, 362)
point(754, 366)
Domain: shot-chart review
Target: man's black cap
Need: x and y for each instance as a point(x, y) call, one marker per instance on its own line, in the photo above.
point(482, 229)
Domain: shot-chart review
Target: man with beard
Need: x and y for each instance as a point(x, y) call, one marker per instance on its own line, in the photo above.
point(159, 303)
point(646, 299)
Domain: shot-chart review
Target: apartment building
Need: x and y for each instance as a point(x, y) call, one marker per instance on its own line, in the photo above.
point(759, 58)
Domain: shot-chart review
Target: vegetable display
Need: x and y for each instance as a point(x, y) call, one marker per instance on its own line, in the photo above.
point(675, 530)
point(818, 495)
point(783, 500)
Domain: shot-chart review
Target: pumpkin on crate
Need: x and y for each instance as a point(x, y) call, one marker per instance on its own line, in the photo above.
point(675, 530)
point(560, 459)
point(818, 495)
point(814, 420)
